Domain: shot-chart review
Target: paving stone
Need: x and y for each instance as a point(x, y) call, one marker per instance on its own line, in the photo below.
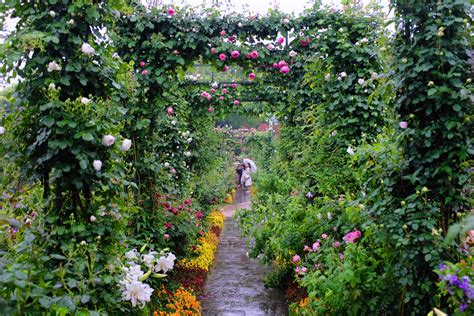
point(234, 286)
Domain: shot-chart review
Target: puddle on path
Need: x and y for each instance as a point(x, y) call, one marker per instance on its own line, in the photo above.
point(234, 286)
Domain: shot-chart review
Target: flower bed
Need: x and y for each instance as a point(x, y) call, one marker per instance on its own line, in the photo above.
point(190, 274)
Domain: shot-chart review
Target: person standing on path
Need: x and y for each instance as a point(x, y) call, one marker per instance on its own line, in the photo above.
point(246, 178)
point(239, 169)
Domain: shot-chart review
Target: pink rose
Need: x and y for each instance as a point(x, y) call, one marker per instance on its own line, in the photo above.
point(280, 40)
point(213, 90)
point(324, 236)
point(234, 85)
point(231, 39)
point(284, 70)
point(167, 236)
point(252, 76)
point(142, 64)
point(336, 244)
point(305, 42)
point(223, 33)
point(316, 246)
point(306, 248)
point(275, 65)
point(168, 225)
point(297, 270)
point(211, 110)
point(225, 69)
point(296, 258)
point(171, 11)
point(304, 270)
point(254, 54)
point(170, 110)
point(403, 125)
point(213, 50)
point(222, 57)
point(234, 54)
point(221, 97)
point(145, 72)
point(270, 47)
point(282, 63)
point(224, 91)
point(341, 256)
point(173, 171)
point(352, 236)
point(248, 56)
point(236, 102)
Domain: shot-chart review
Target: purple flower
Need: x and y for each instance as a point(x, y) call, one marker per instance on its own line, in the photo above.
point(309, 195)
point(453, 279)
point(463, 307)
point(442, 267)
point(403, 124)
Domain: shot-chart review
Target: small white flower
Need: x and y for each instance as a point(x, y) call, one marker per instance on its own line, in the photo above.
point(126, 144)
point(293, 53)
point(53, 66)
point(132, 254)
point(148, 259)
point(51, 86)
point(214, 85)
point(85, 100)
point(319, 216)
point(138, 293)
point(343, 74)
point(70, 22)
point(350, 151)
point(286, 20)
point(240, 25)
point(83, 243)
point(173, 122)
point(341, 30)
point(329, 215)
point(167, 165)
point(97, 165)
point(108, 140)
point(92, 218)
point(327, 76)
point(364, 41)
point(361, 81)
point(87, 49)
point(115, 55)
point(374, 76)
point(333, 133)
point(194, 30)
point(270, 46)
point(187, 153)
point(52, 13)
point(2, 130)
point(95, 62)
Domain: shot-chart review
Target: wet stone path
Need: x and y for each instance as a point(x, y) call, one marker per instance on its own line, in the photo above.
point(235, 284)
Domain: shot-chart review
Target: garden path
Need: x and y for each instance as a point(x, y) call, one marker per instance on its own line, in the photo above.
point(235, 285)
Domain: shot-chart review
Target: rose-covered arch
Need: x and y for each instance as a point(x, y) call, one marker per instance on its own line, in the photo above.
point(277, 56)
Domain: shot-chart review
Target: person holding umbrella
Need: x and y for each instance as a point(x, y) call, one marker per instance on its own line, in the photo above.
point(246, 178)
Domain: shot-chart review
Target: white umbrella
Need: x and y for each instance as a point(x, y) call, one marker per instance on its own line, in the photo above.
point(253, 166)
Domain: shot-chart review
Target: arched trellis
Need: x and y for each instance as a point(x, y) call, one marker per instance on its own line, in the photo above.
point(162, 44)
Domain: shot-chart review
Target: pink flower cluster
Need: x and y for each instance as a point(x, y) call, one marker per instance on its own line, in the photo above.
point(352, 236)
point(283, 66)
point(206, 95)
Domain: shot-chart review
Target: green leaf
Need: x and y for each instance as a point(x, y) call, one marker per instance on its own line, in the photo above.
point(83, 164)
point(48, 121)
point(87, 136)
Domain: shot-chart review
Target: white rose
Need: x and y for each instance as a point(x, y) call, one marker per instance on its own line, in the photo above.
point(173, 122)
point(97, 165)
point(108, 140)
point(189, 140)
point(361, 81)
point(87, 49)
point(126, 144)
point(187, 153)
point(240, 24)
point(167, 165)
point(327, 76)
point(215, 85)
point(350, 151)
point(70, 22)
point(85, 100)
point(343, 74)
point(364, 41)
point(52, 13)
point(374, 76)
point(293, 53)
point(2, 130)
point(53, 66)
point(286, 20)
point(93, 219)
point(51, 86)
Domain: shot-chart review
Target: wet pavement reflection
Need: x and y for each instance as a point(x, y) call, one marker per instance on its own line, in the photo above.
point(235, 284)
